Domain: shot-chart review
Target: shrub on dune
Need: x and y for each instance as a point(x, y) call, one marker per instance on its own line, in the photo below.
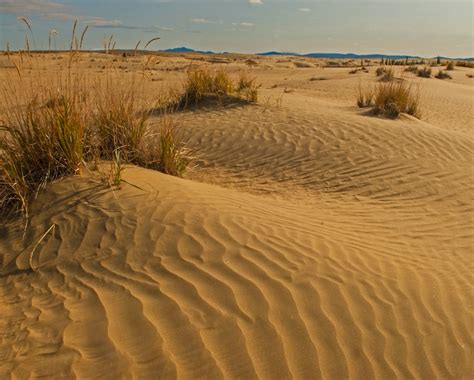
point(39, 145)
point(390, 99)
point(443, 75)
point(388, 75)
point(202, 85)
point(424, 72)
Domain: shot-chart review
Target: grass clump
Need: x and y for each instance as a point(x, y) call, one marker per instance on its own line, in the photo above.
point(388, 75)
point(412, 69)
point(390, 99)
point(424, 72)
point(365, 96)
point(443, 75)
point(40, 144)
point(450, 66)
point(380, 71)
point(119, 124)
point(203, 85)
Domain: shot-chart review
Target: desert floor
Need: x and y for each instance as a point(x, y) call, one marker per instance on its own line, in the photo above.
point(308, 240)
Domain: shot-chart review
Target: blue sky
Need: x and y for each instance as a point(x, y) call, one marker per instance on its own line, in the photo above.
point(415, 27)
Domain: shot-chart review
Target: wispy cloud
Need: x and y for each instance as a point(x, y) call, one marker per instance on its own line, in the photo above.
point(203, 21)
point(304, 9)
point(256, 2)
point(44, 8)
point(243, 23)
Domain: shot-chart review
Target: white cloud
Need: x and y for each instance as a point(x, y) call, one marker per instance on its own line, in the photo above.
point(203, 21)
point(248, 24)
point(256, 2)
point(44, 8)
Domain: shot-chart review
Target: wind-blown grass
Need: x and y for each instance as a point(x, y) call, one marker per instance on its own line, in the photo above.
point(61, 125)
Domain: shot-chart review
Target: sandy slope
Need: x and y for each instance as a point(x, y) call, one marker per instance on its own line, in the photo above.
point(311, 241)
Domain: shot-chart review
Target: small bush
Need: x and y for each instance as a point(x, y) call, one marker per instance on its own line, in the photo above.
point(443, 75)
point(424, 72)
point(450, 66)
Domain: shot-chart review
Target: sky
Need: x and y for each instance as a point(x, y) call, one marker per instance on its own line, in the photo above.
point(407, 27)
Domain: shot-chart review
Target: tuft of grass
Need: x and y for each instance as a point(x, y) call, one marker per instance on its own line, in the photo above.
point(166, 151)
point(40, 144)
point(443, 75)
point(119, 123)
point(365, 95)
point(247, 88)
point(393, 98)
point(424, 72)
point(450, 66)
point(390, 99)
point(380, 71)
point(388, 75)
point(412, 69)
point(202, 85)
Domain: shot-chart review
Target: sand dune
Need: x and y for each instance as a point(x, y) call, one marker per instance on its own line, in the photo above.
point(310, 241)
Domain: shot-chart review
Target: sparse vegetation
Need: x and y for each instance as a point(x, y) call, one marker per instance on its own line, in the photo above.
point(59, 128)
point(380, 71)
point(450, 66)
point(412, 69)
point(469, 64)
point(424, 72)
point(443, 75)
point(390, 99)
point(203, 85)
point(365, 96)
point(388, 75)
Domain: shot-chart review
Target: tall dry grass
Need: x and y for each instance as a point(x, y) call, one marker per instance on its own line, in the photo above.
point(204, 85)
point(390, 99)
point(60, 124)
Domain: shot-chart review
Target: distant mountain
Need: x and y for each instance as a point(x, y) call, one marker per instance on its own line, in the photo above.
point(354, 56)
point(340, 55)
point(186, 50)
point(270, 53)
point(317, 55)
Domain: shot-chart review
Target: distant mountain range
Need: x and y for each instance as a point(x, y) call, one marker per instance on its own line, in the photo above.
point(316, 55)
point(185, 50)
